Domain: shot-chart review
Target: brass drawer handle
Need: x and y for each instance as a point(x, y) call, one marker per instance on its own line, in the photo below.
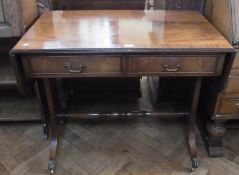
point(71, 70)
point(167, 69)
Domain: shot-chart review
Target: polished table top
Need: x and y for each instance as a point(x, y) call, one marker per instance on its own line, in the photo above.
point(125, 30)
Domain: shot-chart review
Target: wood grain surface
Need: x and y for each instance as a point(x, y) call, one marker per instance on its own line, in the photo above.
point(122, 30)
point(122, 65)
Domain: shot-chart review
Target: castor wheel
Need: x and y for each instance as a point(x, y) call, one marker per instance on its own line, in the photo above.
point(52, 171)
point(195, 164)
point(51, 166)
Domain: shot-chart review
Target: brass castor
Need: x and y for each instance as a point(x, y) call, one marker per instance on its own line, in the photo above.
point(51, 166)
point(195, 164)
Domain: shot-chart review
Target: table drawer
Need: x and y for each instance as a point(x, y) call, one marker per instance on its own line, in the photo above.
point(232, 85)
point(178, 65)
point(228, 106)
point(97, 65)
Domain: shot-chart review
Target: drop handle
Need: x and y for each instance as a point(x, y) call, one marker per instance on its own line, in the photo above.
point(70, 68)
point(168, 69)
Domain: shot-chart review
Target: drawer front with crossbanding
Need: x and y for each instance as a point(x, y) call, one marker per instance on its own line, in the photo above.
point(70, 66)
point(178, 65)
point(123, 65)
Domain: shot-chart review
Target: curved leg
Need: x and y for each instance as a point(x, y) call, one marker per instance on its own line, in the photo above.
point(192, 124)
point(53, 124)
point(41, 97)
point(53, 145)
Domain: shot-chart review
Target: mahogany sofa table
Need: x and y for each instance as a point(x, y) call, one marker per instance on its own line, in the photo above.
point(121, 43)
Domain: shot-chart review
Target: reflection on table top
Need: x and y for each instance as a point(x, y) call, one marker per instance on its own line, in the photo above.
point(122, 29)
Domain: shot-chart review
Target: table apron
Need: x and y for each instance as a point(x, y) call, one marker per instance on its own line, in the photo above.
point(137, 65)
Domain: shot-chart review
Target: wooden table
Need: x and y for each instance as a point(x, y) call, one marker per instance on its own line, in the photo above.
point(68, 44)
